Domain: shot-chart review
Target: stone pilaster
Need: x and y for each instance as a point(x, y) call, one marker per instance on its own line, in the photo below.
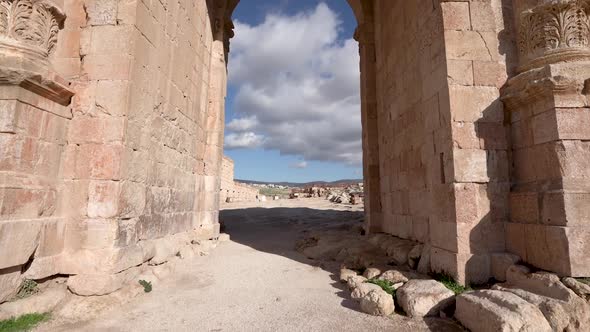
point(34, 114)
point(548, 107)
point(365, 35)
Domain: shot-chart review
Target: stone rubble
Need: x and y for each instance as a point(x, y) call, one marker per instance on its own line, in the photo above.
point(525, 301)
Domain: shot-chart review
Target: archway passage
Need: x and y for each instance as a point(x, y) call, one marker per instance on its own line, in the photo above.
point(112, 129)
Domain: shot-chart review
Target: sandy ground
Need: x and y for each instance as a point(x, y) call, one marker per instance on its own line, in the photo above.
point(256, 282)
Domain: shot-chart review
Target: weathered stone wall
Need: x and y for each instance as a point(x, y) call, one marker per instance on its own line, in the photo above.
point(480, 55)
point(91, 187)
point(235, 191)
point(548, 104)
point(470, 145)
point(442, 140)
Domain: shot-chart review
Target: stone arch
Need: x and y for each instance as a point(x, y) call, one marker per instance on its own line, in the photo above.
point(113, 148)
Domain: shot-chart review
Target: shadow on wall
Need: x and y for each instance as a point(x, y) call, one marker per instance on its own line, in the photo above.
point(276, 230)
point(488, 235)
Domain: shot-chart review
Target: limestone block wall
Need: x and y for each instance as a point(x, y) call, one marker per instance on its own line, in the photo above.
point(443, 148)
point(91, 184)
point(140, 129)
point(480, 56)
point(236, 191)
point(414, 139)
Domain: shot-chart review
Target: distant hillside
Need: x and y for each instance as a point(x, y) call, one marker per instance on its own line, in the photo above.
point(307, 184)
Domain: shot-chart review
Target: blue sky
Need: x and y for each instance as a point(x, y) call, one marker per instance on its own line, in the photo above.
point(293, 105)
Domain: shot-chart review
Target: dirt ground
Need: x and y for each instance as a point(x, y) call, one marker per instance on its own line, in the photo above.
point(256, 282)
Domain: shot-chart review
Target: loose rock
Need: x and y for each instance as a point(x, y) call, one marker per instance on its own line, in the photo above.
point(371, 273)
point(580, 288)
point(420, 298)
point(355, 281)
point(346, 273)
point(393, 276)
point(493, 310)
point(377, 302)
point(362, 290)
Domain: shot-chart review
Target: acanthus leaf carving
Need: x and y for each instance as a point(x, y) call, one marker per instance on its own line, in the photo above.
point(32, 23)
point(554, 32)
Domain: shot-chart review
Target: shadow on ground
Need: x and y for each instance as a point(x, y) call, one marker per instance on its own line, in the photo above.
point(276, 230)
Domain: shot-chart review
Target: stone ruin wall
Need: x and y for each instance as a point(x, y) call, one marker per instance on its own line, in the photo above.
point(89, 186)
point(475, 139)
point(234, 191)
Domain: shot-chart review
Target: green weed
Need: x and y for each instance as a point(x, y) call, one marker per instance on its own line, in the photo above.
point(23, 323)
point(147, 286)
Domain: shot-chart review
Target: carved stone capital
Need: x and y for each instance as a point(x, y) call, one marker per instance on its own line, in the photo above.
point(554, 31)
point(28, 36)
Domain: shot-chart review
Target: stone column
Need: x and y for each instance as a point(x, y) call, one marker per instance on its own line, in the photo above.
point(208, 194)
point(34, 114)
point(365, 35)
point(548, 107)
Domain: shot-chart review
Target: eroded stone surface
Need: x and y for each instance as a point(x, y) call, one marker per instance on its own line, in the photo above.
point(493, 310)
point(420, 298)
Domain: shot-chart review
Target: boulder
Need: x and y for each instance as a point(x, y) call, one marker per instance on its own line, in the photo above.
point(581, 289)
point(164, 249)
point(541, 283)
point(393, 276)
point(101, 284)
point(362, 290)
point(223, 237)
point(501, 263)
point(414, 256)
point(371, 273)
point(494, 310)
point(573, 315)
point(355, 281)
point(346, 273)
point(421, 298)
point(399, 249)
point(377, 302)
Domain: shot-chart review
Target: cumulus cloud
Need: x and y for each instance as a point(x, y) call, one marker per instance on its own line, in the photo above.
point(299, 165)
point(297, 87)
point(247, 140)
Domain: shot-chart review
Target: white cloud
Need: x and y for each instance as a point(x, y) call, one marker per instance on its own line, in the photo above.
point(298, 87)
point(247, 140)
point(299, 165)
point(242, 124)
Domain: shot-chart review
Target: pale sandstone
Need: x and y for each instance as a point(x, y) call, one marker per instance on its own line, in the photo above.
point(393, 276)
point(46, 301)
point(103, 145)
point(346, 273)
point(371, 273)
point(377, 302)
point(362, 290)
point(493, 310)
point(420, 298)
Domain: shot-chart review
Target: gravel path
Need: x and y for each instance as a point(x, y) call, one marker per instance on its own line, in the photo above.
point(256, 282)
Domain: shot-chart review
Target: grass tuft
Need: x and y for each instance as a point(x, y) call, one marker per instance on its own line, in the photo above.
point(387, 286)
point(147, 286)
point(28, 288)
point(584, 280)
point(450, 283)
point(23, 323)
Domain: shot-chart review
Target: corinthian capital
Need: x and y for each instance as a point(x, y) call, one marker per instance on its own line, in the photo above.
point(28, 37)
point(30, 25)
point(552, 31)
